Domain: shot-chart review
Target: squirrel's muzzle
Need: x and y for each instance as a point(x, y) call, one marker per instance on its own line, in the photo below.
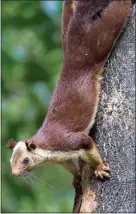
point(17, 173)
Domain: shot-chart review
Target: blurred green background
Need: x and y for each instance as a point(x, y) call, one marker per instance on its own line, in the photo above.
point(31, 64)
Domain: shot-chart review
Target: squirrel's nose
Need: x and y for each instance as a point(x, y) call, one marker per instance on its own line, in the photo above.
point(16, 173)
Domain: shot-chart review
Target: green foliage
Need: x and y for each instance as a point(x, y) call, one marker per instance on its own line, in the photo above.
point(31, 63)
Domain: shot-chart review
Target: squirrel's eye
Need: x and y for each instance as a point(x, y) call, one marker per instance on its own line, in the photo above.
point(26, 160)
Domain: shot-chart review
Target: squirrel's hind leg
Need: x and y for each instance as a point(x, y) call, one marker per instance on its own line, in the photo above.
point(67, 14)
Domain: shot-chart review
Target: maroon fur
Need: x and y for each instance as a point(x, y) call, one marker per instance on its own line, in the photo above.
point(88, 35)
point(11, 144)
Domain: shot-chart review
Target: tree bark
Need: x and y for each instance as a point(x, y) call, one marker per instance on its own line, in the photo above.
point(114, 132)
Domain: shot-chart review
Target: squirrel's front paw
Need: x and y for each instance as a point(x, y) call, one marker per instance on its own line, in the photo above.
point(102, 171)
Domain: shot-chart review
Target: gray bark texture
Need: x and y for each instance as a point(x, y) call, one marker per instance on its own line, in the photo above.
point(114, 133)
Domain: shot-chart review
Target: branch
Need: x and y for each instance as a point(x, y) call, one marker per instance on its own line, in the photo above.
point(115, 135)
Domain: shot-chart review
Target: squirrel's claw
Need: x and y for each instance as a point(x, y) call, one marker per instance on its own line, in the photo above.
point(102, 171)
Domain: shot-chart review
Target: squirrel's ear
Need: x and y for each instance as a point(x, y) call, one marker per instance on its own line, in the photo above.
point(11, 144)
point(30, 145)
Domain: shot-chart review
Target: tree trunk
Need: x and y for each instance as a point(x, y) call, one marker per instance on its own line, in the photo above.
point(114, 133)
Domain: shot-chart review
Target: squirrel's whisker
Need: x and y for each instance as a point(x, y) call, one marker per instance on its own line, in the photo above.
point(26, 180)
point(42, 181)
point(30, 178)
point(27, 177)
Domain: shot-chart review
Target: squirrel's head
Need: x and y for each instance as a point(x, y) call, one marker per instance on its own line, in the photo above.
point(23, 157)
